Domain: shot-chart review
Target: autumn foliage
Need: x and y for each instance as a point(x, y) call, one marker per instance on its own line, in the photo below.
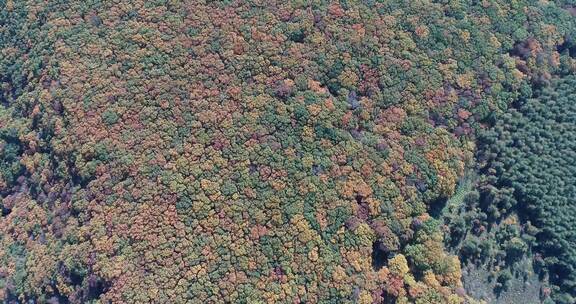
point(247, 151)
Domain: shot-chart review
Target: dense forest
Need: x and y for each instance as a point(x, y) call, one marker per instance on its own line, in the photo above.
point(521, 205)
point(529, 163)
point(297, 151)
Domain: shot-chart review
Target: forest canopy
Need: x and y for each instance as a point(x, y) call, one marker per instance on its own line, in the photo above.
point(529, 163)
point(267, 151)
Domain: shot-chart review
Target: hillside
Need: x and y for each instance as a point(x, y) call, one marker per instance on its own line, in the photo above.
point(257, 151)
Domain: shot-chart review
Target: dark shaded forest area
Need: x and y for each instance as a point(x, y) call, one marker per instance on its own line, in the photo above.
point(521, 205)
